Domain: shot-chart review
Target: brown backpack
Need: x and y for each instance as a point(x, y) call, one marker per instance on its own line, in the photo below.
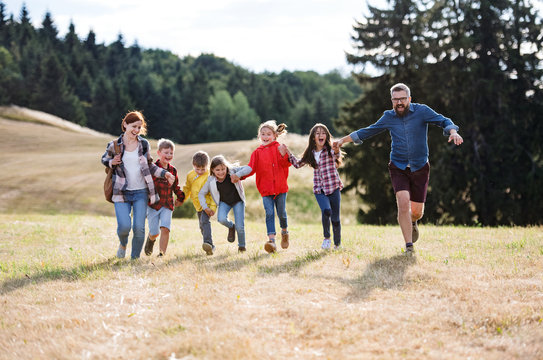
point(108, 183)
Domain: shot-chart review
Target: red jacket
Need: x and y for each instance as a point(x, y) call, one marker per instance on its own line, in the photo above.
point(271, 169)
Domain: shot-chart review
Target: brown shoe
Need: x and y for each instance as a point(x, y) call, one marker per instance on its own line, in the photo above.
point(415, 233)
point(270, 247)
point(284, 240)
point(242, 249)
point(149, 246)
point(231, 234)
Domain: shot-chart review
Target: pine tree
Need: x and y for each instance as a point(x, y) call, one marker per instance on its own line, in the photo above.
point(466, 60)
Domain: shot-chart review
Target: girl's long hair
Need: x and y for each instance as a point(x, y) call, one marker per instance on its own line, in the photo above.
point(308, 156)
point(221, 160)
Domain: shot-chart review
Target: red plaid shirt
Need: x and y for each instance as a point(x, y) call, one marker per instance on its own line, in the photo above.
point(165, 191)
point(325, 176)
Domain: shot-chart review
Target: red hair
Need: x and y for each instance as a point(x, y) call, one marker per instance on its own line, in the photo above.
point(132, 117)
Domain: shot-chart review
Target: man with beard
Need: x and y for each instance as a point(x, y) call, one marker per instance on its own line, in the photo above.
point(408, 167)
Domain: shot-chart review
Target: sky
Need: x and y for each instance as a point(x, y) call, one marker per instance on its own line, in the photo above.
point(259, 35)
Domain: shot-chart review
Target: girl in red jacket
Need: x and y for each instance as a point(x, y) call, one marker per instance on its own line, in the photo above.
point(271, 168)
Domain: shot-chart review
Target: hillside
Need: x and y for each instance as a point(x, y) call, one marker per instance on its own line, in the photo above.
point(53, 166)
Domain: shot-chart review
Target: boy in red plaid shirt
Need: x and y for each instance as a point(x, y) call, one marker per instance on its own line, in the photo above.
point(159, 214)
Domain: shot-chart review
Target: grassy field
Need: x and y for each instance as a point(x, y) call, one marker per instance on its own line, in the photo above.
point(466, 293)
point(472, 293)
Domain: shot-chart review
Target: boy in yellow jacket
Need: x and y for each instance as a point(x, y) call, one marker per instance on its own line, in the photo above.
point(196, 179)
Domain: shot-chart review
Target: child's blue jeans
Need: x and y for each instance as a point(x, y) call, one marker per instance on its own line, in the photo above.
point(135, 203)
point(280, 203)
point(330, 209)
point(239, 218)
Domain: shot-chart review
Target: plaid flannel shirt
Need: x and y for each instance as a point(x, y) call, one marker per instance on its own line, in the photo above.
point(165, 190)
point(325, 176)
point(148, 169)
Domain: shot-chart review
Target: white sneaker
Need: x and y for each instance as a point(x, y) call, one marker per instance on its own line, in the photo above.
point(326, 243)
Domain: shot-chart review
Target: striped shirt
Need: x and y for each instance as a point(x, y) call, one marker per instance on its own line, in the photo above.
point(325, 176)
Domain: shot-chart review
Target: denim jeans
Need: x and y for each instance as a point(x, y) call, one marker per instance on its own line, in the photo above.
point(239, 218)
point(330, 209)
point(280, 202)
point(205, 227)
point(135, 203)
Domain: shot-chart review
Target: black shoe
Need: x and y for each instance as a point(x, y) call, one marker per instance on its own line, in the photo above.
point(415, 233)
point(149, 246)
point(241, 249)
point(231, 234)
point(161, 254)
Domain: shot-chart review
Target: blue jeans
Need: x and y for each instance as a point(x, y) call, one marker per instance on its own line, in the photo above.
point(280, 203)
point(135, 202)
point(239, 218)
point(205, 227)
point(330, 209)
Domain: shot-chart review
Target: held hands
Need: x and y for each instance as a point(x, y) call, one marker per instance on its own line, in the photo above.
point(170, 177)
point(209, 212)
point(455, 138)
point(234, 178)
point(336, 145)
point(178, 202)
point(282, 149)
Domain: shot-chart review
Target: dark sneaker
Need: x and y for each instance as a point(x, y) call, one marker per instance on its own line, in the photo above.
point(231, 234)
point(161, 254)
point(242, 249)
point(410, 249)
point(208, 248)
point(415, 233)
point(149, 246)
point(270, 246)
point(284, 240)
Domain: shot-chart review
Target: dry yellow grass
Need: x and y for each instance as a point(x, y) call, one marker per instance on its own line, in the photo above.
point(467, 293)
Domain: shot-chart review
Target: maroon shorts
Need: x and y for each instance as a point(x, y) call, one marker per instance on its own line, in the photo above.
point(414, 182)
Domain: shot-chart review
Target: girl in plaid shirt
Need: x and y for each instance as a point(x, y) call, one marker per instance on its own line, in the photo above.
point(326, 182)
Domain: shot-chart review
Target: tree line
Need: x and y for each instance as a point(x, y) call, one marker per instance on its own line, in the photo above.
point(189, 99)
point(477, 62)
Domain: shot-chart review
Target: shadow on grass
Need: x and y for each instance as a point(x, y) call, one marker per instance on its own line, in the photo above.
point(80, 271)
point(384, 274)
point(294, 266)
point(239, 263)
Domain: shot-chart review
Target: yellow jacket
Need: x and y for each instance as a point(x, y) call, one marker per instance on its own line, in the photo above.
point(192, 187)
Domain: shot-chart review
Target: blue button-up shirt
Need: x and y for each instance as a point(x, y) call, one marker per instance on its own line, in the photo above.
point(409, 134)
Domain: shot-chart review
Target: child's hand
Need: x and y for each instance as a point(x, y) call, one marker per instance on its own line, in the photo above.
point(209, 212)
point(282, 149)
point(178, 202)
point(170, 177)
point(116, 160)
point(234, 178)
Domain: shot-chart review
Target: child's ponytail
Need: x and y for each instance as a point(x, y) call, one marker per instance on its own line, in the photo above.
point(281, 129)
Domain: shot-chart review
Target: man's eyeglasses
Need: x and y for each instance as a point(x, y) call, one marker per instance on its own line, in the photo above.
point(397, 100)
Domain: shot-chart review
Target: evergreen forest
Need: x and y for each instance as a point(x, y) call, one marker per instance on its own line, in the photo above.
point(189, 99)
